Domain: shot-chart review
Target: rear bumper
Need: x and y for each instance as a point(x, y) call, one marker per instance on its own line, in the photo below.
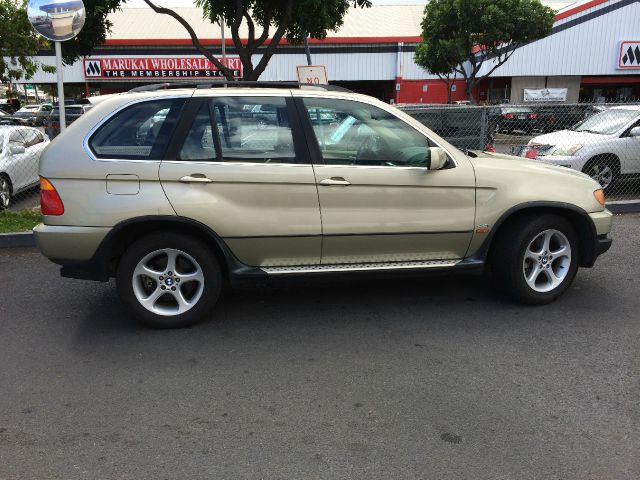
point(75, 249)
point(74, 244)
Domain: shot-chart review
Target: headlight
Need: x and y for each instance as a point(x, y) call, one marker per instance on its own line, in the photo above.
point(566, 150)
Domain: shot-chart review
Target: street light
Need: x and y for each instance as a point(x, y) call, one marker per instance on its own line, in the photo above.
point(58, 21)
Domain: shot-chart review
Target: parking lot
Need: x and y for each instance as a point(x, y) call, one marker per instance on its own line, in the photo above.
point(324, 378)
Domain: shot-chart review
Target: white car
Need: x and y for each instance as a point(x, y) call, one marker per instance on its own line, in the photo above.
point(604, 146)
point(20, 150)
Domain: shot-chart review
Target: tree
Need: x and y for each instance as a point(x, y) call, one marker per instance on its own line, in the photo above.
point(438, 60)
point(268, 22)
point(464, 34)
point(18, 43)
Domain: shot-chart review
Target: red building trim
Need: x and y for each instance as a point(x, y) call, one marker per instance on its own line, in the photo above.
point(216, 41)
point(609, 80)
point(579, 8)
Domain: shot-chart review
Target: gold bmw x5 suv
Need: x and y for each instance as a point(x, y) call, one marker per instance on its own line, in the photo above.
point(175, 190)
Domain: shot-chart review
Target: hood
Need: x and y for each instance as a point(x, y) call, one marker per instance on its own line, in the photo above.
point(568, 137)
point(521, 165)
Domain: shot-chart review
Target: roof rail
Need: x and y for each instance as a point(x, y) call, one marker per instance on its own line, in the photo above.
point(233, 83)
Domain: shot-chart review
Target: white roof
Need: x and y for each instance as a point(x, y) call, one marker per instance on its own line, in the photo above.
point(377, 22)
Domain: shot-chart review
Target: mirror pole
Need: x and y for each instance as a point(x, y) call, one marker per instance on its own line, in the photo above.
point(63, 118)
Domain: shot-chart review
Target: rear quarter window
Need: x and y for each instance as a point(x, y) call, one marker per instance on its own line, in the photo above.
point(139, 132)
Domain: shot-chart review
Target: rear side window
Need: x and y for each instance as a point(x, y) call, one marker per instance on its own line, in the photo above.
point(139, 132)
point(254, 129)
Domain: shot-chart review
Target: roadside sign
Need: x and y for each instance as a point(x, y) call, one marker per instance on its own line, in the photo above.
point(312, 74)
point(28, 86)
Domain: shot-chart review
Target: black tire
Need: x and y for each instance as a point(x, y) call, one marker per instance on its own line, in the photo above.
point(597, 166)
point(203, 301)
point(508, 257)
point(6, 191)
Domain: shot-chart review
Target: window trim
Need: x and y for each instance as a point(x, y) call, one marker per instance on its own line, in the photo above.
point(314, 146)
point(88, 136)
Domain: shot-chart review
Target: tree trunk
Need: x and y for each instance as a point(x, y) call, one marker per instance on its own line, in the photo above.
point(469, 89)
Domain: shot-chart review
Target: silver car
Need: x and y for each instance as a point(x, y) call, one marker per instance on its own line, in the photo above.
point(20, 151)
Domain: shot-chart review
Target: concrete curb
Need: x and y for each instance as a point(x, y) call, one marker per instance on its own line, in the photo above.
point(629, 206)
point(17, 240)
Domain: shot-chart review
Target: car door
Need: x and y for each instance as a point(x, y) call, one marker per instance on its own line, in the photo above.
point(18, 158)
point(34, 147)
point(630, 150)
point(249, 181)
point(378, 201)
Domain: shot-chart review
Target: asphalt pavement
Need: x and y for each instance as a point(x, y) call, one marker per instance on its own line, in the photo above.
point(331, 378)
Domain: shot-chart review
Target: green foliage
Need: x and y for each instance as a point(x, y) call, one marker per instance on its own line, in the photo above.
point(460, 35)
point(19, 221)
point(18, 43)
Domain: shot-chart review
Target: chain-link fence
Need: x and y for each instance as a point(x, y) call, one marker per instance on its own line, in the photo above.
point(601, 140)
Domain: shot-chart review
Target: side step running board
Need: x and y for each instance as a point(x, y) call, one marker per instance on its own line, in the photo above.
point(359, 267)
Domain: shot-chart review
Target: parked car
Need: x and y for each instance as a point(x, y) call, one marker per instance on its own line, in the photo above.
point(207, 198)
point(34, 115)
point(558, 117)
point(72, 113)
point(510, 119)
point(604, 146)
point(20, 150)
point(9, 105)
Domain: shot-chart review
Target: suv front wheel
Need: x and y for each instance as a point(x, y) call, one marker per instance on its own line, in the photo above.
point(535, 258)
point(169, 280)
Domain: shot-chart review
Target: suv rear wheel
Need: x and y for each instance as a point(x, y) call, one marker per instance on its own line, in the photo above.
point(535, 259)
point(169, 280)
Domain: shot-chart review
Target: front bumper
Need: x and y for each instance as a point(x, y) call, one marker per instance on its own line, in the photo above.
point(602, 223)
point(603, 244)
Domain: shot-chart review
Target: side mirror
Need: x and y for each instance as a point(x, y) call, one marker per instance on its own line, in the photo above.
point(17, 150)
point(634, 132)
point(437, 158)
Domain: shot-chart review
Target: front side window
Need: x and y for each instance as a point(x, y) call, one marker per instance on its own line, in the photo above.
point(354, 133)
point(254, 129)
point(139, 132)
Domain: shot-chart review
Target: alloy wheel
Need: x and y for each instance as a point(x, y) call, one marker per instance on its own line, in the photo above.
point(168, 282)
point(602, 173)
point(547, 260)
point(5, 193)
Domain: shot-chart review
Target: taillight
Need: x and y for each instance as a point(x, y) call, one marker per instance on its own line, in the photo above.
point(50, 201)
point(533, 116)
point(508, 115)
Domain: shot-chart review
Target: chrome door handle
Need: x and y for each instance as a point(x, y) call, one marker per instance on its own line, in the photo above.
point(335, 181)
point(196, 178)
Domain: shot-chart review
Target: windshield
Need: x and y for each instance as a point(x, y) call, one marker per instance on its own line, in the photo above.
point(607, 122)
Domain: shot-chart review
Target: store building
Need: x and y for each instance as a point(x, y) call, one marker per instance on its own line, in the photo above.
point(590, 55)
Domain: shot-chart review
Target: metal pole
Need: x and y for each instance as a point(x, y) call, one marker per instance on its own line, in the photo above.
point(63, 118)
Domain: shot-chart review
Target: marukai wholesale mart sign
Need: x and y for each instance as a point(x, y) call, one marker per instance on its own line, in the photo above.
point(154, 68)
